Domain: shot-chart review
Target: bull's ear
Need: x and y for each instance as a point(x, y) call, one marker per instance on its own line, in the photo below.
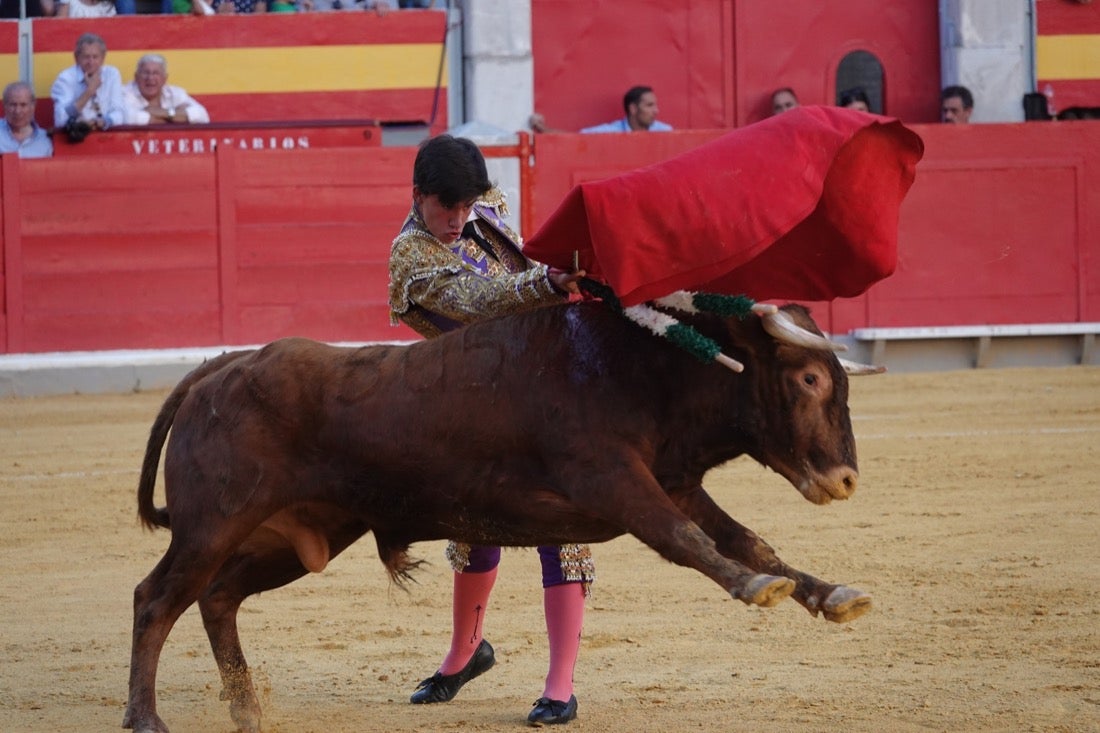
point(855, 368)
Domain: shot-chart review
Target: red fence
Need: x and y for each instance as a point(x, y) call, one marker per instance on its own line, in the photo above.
point(109, 252)
point(1001, 226)
point(244, 246)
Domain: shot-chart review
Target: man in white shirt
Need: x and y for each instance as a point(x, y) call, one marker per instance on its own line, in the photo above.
point(150, 100)
point(89, 90)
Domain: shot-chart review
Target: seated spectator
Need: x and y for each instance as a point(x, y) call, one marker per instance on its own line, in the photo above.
point(18, 130)
point(150, 100)
point(537, 123)
point(239, 7)
point(86, 8)
point(34, 9)
point(640, 105)
point(783, 99)
point(381, 7)
point(88, 91)
point(855, 98)
point(956, 104)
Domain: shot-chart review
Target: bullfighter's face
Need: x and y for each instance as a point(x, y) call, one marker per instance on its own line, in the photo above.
point(444, 222)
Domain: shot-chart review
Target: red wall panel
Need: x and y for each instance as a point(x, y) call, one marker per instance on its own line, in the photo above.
point(1000, 226)
point(244, 247)
point(715, 63)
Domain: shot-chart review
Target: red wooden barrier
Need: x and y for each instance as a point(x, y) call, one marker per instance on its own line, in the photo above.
point(157, 140)
point(242, 246)
point(110, 252)
point(1001, 225)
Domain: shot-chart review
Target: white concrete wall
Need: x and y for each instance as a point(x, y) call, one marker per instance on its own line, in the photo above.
point(987, 46)
point(498, 69)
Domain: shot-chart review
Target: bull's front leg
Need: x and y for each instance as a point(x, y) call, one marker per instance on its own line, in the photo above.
point(837, 603)
point(633, 500)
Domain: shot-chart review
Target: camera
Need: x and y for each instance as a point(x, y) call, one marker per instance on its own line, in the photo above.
point(77, 129)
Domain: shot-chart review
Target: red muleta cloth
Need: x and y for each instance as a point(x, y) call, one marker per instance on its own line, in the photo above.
point(801, 206)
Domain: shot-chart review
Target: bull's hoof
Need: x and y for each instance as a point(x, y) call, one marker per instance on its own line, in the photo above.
point(845, 604)
point(147, 725)
point(766, 590)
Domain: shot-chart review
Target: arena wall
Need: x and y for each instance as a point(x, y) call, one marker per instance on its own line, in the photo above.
point(242, 246)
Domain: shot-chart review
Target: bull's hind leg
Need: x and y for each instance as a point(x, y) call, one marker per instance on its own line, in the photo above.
point(159, 600)
point(264, 562)
point(837, 603)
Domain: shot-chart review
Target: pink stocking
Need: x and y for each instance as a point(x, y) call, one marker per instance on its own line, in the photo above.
point(564, 607)
point(471, 597)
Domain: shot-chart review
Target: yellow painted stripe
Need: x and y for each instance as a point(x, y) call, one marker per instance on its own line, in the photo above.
point(1068, 57)
point(9, 67)
point(272, 70)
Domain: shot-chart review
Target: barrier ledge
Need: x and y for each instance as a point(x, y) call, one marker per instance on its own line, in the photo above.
point(184, 139)
point(984, 334)
point(107, 372)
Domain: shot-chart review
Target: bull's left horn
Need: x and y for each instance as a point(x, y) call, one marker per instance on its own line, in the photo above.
point(781, 327)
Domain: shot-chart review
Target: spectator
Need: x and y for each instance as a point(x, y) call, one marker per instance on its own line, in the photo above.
point(18, 130)
point(956, 104)
point(381, 7)
point(86, 8)
point(783, 99)
point(34, 9)
point(150, 100)
point(89, 90)
point(640, 105)
point(537, 123)
point(855, 98)
point(239, 7)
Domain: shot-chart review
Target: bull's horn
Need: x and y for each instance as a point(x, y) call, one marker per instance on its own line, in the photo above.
point(855, 368)
point(781, 327)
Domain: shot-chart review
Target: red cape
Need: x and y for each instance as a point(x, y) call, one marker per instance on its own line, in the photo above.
point(801, 206)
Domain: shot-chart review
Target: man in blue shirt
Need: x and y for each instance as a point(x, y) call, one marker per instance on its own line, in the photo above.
point(19, 133)
point(640, 105)
point(89, 89)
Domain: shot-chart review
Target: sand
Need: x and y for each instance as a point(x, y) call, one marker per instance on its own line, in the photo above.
point(976, 528)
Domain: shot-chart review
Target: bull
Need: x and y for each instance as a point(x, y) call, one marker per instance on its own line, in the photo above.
point(560, 425)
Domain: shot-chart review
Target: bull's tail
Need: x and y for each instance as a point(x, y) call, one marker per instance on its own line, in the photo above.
point(150, 515)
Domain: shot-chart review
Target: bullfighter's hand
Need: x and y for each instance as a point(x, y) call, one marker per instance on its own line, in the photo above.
point(566, 281)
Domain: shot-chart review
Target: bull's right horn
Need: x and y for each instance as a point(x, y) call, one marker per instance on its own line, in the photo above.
point(781, 327)
point(855, 368)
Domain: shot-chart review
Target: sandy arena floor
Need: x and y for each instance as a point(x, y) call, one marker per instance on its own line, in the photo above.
point(976, 528)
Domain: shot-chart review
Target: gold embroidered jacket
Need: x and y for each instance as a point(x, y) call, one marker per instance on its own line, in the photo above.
point(436, 287)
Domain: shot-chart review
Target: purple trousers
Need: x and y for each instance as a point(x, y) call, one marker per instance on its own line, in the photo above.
point(484, 558)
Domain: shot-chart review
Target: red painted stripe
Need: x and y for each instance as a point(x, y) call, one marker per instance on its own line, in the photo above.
point(137, 32)
point(1074, 92)
point(1065, 17)
point(388, 105)
point(382, 105)
point(9, 38)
